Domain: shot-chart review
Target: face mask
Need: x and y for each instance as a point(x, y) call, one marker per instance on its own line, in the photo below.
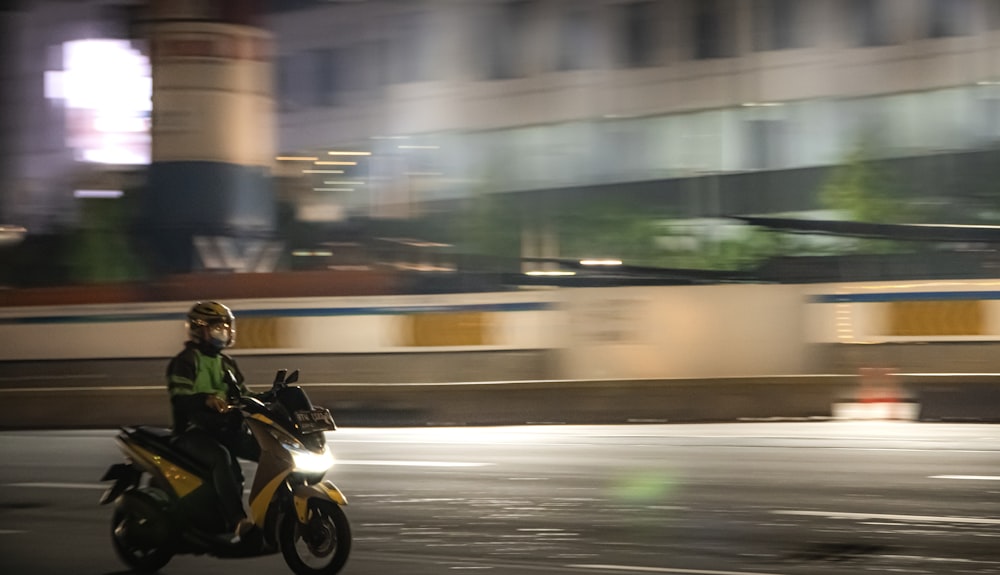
point(221, 335)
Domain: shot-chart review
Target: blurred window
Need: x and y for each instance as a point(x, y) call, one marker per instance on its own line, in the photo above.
point(624, 149)
point(949, 18)
point(711, 25)
point(949, 115)
point(989, 114)
point(992, 14)
point(526, 151)
point(868, 123)
point(358, 66)
point(376, 57)
point(327, 76)
point(766, 138)
point(576, 38)
point(281, 83)
point(290, 82)
point(697, 141)
point(639, 26)
point(767, 144)
point(867, 21)
point(409, 60)
point(779, 24)
point(509, 35)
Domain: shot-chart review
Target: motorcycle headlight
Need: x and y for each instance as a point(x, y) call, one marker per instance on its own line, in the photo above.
point(310, 461)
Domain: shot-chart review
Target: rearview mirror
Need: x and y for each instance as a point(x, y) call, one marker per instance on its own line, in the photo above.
point(279, 376)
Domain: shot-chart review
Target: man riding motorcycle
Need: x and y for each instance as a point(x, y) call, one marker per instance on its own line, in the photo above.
point(203, 382)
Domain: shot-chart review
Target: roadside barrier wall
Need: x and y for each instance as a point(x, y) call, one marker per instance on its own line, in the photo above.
point(678, 353)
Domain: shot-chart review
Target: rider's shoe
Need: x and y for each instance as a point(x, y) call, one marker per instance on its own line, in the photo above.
point(243, 526)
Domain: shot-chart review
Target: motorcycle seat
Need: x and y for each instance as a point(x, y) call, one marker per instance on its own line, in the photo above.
point(158, 433)
point(162, 440)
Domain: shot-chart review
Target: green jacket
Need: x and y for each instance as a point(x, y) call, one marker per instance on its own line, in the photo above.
point(192, 375)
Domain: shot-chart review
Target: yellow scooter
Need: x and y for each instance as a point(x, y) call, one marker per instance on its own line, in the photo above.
point(165, 503)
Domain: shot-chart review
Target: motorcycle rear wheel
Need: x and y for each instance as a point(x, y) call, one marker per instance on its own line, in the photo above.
point(135, 550)
point(321, 546)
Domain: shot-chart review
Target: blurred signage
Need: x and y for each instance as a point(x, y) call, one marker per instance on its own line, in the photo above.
point(221, 253)
point(245, 12)
point(210, 45)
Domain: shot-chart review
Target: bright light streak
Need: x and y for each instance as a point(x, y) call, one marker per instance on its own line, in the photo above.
point(107, 85)
point(334, 163)
point(347, 153)
point(322, 171)
point(10, 235)
point(552, 273)
point(106, 75)
point(312, 253)
point(600, 262)
point(958, 226)
point(121, 125)
point(967, 477)
point(297, 158)
point(98, 194)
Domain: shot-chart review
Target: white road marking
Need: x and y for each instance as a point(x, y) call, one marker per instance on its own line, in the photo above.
point(890, 517)
point(638, 569)
point(392, 463)
point(51, 377)
point(968, 477)
point(388, 463)
point(11, 531)
point(80, 388)
point(54, 485)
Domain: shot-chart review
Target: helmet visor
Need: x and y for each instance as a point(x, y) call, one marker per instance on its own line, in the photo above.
point(221, 334)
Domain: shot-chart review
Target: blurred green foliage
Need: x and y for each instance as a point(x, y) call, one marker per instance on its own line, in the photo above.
point(101, 250)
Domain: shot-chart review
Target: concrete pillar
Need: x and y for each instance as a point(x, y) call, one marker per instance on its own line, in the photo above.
point(210, 202)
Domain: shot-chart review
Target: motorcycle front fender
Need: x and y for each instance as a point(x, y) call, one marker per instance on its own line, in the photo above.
point(125, 476)
point(324, 490)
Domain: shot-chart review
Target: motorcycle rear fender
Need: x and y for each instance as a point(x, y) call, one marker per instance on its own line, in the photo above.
point(125, 476)
point(325, 490)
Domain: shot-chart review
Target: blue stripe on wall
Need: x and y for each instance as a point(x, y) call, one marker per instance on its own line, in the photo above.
point(905, 296)
point(265, 312)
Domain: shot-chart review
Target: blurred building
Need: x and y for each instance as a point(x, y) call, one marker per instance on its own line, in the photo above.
point(696, 108)
point(706, 106)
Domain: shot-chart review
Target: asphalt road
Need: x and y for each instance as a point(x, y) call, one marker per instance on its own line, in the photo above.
point(729, 499)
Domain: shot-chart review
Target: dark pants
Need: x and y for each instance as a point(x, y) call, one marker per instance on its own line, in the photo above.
point(218, 452)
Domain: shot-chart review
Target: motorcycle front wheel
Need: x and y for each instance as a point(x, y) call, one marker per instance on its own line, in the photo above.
point(321, 546)
point(136, 541)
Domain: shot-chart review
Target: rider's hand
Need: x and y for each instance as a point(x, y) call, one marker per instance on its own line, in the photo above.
point(215, 403)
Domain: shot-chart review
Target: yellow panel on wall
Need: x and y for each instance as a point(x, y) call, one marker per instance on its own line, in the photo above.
point(444, 329)
point(260, 333)
point(955, 317)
